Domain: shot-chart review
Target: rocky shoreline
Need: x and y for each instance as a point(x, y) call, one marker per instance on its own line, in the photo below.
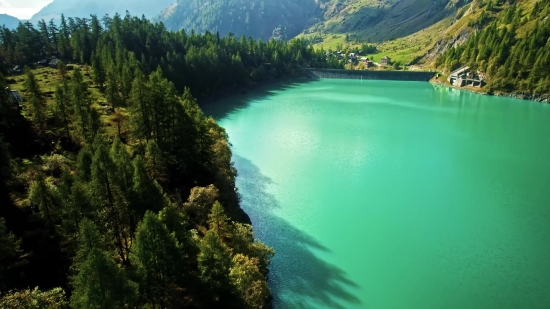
point(514, 95)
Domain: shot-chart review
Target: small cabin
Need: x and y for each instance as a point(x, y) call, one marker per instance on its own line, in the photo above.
point(53, 63)
point(385, 60)
point(16, 97)
point(16, 70)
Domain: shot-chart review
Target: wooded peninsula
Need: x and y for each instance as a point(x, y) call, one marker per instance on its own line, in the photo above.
point(116, 190)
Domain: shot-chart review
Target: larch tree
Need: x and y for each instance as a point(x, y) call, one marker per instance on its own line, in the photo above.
point(100, 283)
point(82, 105)
point(10, 251)
point(62, 106)
point(140, 108)
point(108, 197)
point(158, 258)
point(218, 221)
point(37, 105)
point(214, 261)
point(46, 198)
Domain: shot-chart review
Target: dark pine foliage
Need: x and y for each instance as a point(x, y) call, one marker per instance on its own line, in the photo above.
point(136, 208)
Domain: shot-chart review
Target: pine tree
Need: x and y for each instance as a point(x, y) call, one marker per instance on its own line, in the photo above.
point(54, 36)
point(62, 105)
point(45, 197)
point(100, 283)
point(99, 71)
point(82, 105)
point(218, 221)
point(109, 199)
point(146, 193)
point(140, 108)
point(10, 250)
point(158, 258)
point(123, 168)
point(37, 106)
point(214, 261)
point(64, 41)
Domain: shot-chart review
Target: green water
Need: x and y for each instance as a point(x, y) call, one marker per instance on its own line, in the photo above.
point(381, 194)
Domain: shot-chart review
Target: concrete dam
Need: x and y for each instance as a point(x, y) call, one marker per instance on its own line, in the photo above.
point(373, 75)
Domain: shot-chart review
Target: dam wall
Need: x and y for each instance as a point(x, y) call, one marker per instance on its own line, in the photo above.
point(373, 75)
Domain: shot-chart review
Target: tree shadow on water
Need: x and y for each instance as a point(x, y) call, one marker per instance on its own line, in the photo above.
point(298, 278)
point(223, 106)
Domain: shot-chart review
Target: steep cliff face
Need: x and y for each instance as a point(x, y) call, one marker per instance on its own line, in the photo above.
point(375, 20)
point(382, 20)
point(255, 18)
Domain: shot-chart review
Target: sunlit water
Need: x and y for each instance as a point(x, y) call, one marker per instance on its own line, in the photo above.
point(397, 195)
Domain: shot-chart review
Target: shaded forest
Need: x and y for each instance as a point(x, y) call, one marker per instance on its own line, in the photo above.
point(116, 190)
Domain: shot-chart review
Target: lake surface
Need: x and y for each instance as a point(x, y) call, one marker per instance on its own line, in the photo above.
point(381, 194)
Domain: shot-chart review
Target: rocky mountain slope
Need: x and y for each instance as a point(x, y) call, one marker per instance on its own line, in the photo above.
point(8, 21)
point(373, 20)
point(255, 18)
point(83, 8)
point(382, 20)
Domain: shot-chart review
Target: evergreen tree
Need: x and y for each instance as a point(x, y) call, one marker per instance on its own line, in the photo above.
point(38, 108)
point(99, 71)
point(62, 105)
point(10, 250)
point(158, 258)
point(218, 221)
point(46, 198)
point(214, 261)
point(100, 283)
point(81, 99)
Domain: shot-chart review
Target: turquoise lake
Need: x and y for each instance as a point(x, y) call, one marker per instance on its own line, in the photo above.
point(380, 194)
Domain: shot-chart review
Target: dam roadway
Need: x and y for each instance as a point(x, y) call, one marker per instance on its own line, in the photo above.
point(371, 75)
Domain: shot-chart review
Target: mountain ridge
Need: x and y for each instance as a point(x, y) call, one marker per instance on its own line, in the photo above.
point(8, 21)
point(83, 9)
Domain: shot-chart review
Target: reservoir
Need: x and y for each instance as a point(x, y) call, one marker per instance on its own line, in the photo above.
point(386, 194)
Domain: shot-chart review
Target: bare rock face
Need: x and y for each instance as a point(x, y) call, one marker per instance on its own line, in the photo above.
point(443, 44)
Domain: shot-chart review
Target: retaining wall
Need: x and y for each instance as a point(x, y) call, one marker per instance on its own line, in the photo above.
point(377, 75)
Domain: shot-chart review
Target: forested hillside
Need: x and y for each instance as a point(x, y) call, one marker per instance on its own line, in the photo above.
point(116, 190)
point(512, 49)
point(282, 19)
point(83, 8)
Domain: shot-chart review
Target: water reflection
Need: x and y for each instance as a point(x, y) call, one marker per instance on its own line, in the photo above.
point(298, 277)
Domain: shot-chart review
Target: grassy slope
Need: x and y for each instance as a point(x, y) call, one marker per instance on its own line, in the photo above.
point(381, 20)
point(402, 50)
point(407, 48)
point(48, 79)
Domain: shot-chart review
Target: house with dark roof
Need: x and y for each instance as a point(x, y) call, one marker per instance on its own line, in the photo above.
point(16, 97)
point(16, 70)
point(53, 63)
point(385, 60)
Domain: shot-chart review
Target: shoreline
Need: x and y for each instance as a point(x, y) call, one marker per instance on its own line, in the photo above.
point(306, 76)
point(514, 95)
